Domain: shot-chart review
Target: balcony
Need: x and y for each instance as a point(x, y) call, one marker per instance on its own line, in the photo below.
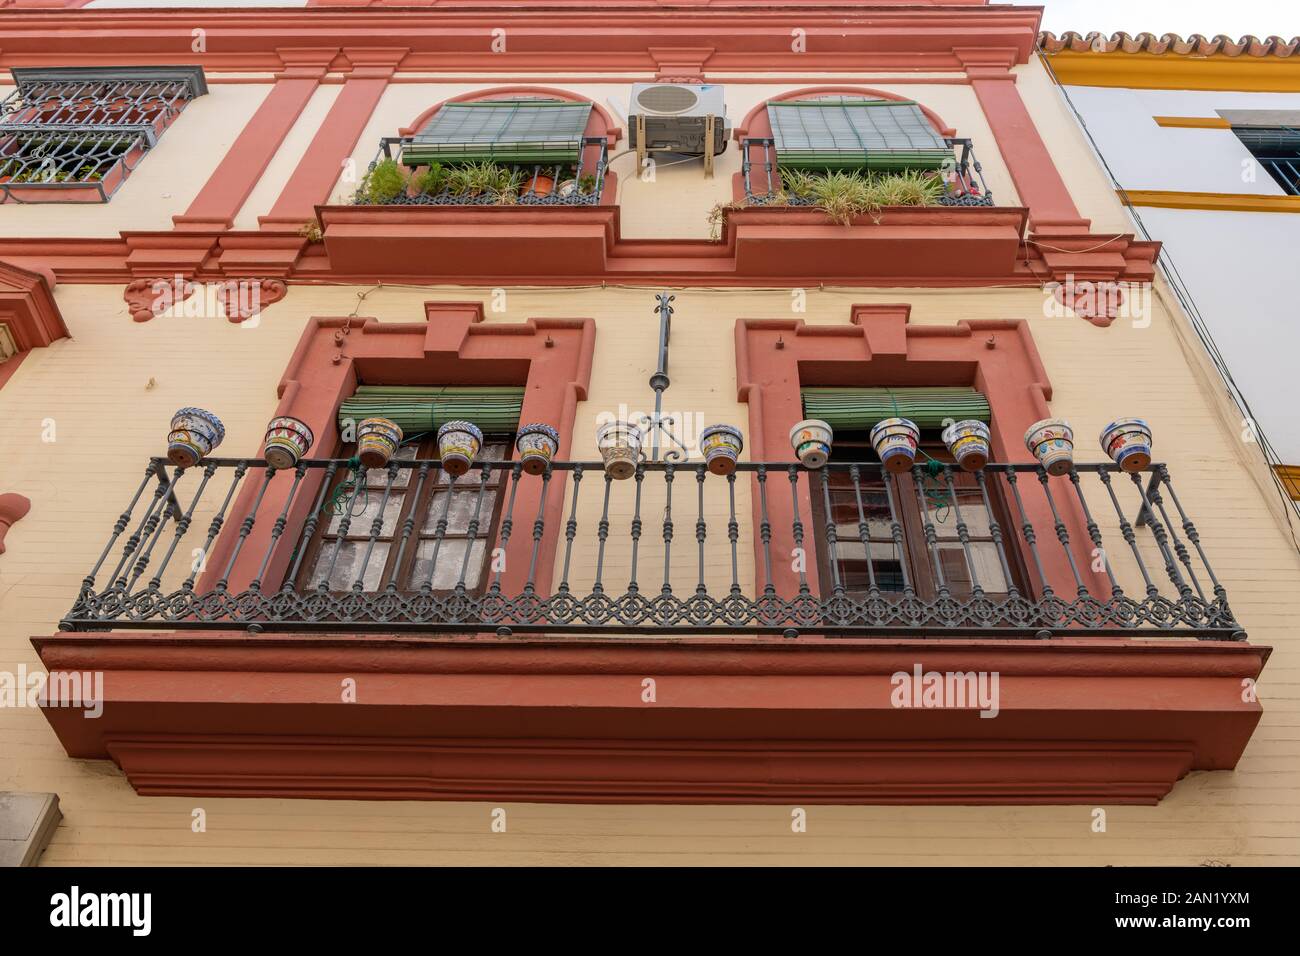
point(937, 553)
point(391, 181)
point(657, 640)
point(958, 183)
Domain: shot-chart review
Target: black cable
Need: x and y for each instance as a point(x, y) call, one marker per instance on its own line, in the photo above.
point(1169, 268)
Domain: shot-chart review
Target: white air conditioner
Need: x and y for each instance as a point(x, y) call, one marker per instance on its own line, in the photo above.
point(675, 117)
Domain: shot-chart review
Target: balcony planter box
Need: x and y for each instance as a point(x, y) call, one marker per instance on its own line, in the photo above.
point(87, 191)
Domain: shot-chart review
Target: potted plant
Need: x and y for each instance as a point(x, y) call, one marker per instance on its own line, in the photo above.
point(385, 181)
point(430, 181)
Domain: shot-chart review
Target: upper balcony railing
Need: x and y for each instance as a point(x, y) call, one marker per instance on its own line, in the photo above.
point(675, 550)
point(961, 183)
point(552, 183)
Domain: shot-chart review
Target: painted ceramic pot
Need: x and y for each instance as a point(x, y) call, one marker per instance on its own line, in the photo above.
point(377, 441)
point(895, 441)
point(195, 432)
point(620, 448)
point(537, 445)
point(1056, 455)
point(721, 445)
point(1049, 429)
point(287, 441)
point(458, 443)
point(969, 442)
point(811, 440)
point(1128, 443)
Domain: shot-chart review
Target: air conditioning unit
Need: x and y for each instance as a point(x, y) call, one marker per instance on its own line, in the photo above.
point(675, 117)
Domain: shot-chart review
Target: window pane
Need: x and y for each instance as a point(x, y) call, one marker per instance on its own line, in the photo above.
point(460, 511)
point(349, 563)
point(451, 556)
point(363, 509)
point(491, 451)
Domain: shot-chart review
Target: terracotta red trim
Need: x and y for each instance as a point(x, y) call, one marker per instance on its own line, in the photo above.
point(776, 358)
point(551, 358)
point(936, 247)
point(454, 37)
point(1051, 208)
point(600, 123)
point(28, 310)
point(322, 163)
point(541, 720)
point(12, 509)
point(231, 183)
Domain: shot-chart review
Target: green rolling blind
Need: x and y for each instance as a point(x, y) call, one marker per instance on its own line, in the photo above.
point(422, 408)
point(504, 131)
point(843, 133)
point(862, 408)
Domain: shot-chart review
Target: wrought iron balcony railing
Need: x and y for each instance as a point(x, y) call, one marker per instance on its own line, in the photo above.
point(963, 180)
point(774, 548)
point(531, 184)
point(74, 135)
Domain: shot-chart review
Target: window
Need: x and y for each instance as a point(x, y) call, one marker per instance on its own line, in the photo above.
point(338, 554)
point(74, 134)
point(1277, 148)
point(530, 150)
point(342, 550)
point(913, 507)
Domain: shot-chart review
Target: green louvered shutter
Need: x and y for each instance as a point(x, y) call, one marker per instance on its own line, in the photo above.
point(422, 408)
point(848, 133)
point(861, 408)
point(504, 131)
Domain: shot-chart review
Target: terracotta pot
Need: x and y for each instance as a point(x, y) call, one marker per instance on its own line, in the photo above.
point(195, 432)
point(540, 185)
point(721, 446)
point(537, 445)
point(895, 441)
point(811, 440)
point(458, 444)
point(377, 441)
point(287, 441)
point(620, 448)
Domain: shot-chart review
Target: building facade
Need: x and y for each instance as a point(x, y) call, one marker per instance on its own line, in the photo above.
point(1203, 140)
point(634, 223)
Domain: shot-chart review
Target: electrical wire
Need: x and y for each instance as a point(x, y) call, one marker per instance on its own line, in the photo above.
point(1169, 269)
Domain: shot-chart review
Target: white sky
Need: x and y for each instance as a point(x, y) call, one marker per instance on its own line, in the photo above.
point(1208, 17)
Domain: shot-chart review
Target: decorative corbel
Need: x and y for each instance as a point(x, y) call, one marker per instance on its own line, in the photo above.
point(12, 509)
point(148, 298)
point(243, 299)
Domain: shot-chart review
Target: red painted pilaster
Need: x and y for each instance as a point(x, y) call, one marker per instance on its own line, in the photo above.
point(319, 169)
point(231, 183)
point(1040, 186)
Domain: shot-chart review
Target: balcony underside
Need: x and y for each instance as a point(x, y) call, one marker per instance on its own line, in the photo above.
point(733, 720)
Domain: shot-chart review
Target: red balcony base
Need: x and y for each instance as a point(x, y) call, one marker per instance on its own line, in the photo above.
point(733, 720)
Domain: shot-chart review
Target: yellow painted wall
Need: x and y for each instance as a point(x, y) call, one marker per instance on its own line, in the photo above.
point(1246, 816)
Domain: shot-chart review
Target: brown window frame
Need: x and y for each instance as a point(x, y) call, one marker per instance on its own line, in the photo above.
point(417, 506)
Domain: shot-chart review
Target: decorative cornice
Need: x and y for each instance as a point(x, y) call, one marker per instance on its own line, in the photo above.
point(27, 305)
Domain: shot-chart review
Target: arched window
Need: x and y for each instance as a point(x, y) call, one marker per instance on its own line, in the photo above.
point(798, 148)
point(513, 146)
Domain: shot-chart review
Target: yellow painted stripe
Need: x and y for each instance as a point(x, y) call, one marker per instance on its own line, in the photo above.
point(1231, 202)
point(1172, 71)
point(1193, 122)
point(1290, 475)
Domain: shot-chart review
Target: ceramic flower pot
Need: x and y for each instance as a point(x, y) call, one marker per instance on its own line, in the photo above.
point(620, 448)
point(287, 441)
point(1052, 443)
point(1049, 429)
point(969, 442)
point(537, 445)
point(458, 443)
point(377, 441)
point(1128, 443)
point(811, 440)
point(895, 441)
point(540, 185)
point(721, 445)
point(195, 432)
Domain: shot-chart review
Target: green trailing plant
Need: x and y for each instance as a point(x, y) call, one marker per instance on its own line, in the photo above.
point(847, 194)
point(385, 181)
point(718, 217)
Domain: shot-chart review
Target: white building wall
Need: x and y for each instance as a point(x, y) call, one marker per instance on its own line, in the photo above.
point(1240, 267)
